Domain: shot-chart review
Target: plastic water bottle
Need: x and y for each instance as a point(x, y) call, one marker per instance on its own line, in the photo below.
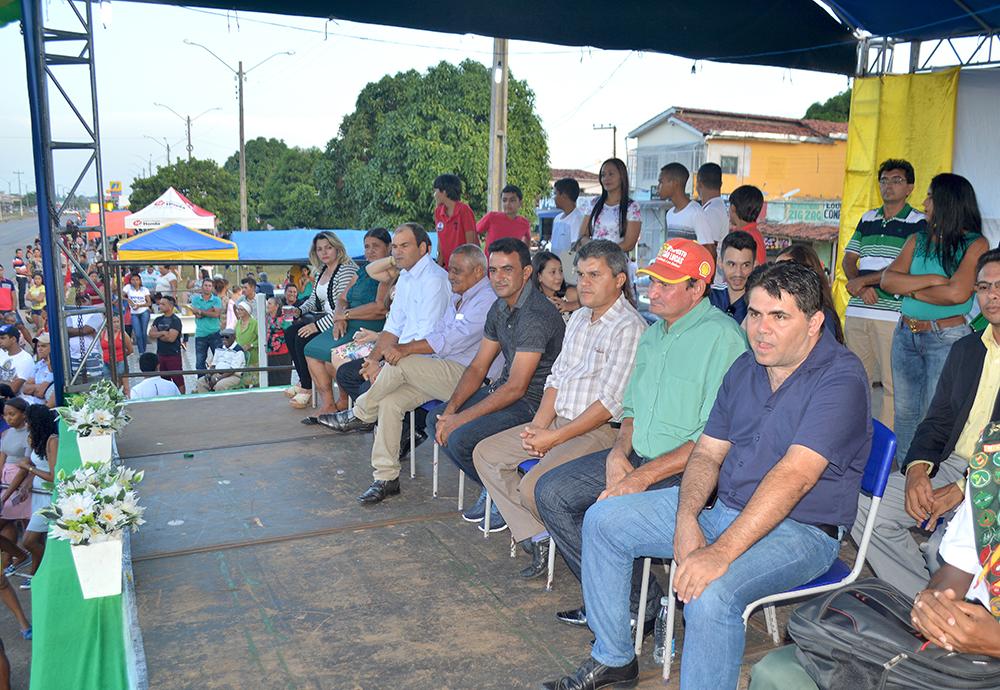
point(660, 632)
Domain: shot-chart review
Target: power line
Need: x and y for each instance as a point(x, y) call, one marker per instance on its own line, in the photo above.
point(596, 91)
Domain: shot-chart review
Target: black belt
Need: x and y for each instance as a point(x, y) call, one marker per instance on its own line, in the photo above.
point(832, 531)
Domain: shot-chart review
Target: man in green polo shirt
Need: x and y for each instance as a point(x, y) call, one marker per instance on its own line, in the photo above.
point(679, 366)
point(872, 313)
point(207, 308)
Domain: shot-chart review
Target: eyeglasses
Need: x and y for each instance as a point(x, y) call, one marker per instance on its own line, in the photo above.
point(984, 287)
point(891, 180)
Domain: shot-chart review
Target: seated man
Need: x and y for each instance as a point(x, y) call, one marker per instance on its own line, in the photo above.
point(933, 474)
point(425, 369)
point(528, 330)
point(784, 447)
point(954, 611)
point(583, 394)
point(225, 361)
point(738, 260)
point(38, 389)
point(153, 386)
point(422, 298)
point(679, 366)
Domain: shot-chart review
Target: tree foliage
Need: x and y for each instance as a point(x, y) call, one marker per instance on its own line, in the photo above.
point(408, 128)
point(835, 109)
point(201, 181)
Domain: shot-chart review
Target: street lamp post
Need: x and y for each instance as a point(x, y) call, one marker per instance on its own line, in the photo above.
point(163, 143)
point(187, 120)
point(614, 137)
point(241, 75)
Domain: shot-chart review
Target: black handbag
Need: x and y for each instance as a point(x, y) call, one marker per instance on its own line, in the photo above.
point(860, 637)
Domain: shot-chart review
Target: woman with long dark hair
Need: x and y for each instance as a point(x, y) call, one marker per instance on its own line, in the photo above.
point(935, 272)
point(547, 276)
point(614, 216)
point(44, 442)
point(806, 256)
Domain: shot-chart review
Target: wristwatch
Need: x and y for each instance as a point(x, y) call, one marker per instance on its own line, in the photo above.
point(347, 314)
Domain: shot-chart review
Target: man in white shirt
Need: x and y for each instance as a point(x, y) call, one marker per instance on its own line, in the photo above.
point(708, 184)
point(226, 361)
point(686, 218)
point(423, 295)
point(154, 386)
point(82, 330)
point(566, 226)
point(16, 365)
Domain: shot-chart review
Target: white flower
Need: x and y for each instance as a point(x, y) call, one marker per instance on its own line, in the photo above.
point(110, 515)
point(75, 506)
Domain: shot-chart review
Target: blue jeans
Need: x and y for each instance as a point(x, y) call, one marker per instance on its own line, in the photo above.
point(140, 324)
point(917, 360)
point(202, 345)
point(618, 530)
point(463, 440)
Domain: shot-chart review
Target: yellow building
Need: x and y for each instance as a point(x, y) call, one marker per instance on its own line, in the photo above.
point(781, 156)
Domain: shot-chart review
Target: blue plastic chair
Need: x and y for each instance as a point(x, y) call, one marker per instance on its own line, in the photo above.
point(839, 574)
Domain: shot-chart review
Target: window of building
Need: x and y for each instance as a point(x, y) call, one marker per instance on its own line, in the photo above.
point(730, 164)
point(649, 168)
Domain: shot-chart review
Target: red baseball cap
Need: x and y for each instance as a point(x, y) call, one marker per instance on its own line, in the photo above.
point(680, 259)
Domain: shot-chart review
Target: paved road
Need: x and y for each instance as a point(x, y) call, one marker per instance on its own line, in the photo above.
point(14, 234)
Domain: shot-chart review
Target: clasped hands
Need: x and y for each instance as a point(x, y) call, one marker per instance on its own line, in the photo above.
point(955, 625)
point(538, 441)
point(926, 504)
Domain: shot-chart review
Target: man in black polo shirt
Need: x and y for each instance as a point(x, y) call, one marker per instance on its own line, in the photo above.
point(527, 330)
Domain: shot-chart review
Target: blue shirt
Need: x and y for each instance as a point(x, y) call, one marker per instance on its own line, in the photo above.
point(423, 294)
point(458, 333)
point(823, 405)
point(719, 297)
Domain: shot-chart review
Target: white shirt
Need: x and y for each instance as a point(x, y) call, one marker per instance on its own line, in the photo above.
point(566, 230)
point(163, 283)
point(79, 344)
point(20, 366)
point(717, 215)
point(690, 222)
point(422, 298)
point(958, 548)
point(136, 298)
point(226, 358)
point(153, 387)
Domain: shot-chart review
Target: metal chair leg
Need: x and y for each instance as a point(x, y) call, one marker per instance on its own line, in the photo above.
point(434, 482)
point(486, 520)
point(640, 615)
point(413, 444)
point(552, 564)
point(461, 489)
point(513, 547)
point(668, 638)
point(771, 619)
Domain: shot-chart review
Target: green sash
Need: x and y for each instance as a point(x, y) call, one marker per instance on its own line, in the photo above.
point(984, 492)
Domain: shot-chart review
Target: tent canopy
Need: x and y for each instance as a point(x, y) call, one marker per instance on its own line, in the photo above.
point(176, 243)
point(920, 20)
point(114, 223)
point(292, 246)
point(171, 207)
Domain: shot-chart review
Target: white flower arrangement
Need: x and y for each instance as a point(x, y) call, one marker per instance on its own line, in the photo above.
point(97, 502)
point(99, 411)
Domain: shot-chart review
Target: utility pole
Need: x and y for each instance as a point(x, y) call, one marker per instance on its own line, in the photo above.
point(241, 76)
point(614, 137)
point(189, 147)
point(497, 173)
point(20, 197)
point(164, 143)
point(187, 120)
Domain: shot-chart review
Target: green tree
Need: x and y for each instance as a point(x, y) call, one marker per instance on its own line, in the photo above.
point(835, 109)
point(408, 128)
point(201, 181)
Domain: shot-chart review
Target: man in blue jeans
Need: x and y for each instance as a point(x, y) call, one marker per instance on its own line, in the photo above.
point(207, 310)
point(784, 447)
point(523, 326)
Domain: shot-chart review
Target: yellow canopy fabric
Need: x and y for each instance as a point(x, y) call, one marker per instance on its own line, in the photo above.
point(174, 243)
point(909, 116)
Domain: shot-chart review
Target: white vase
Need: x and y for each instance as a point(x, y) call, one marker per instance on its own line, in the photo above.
point(95, 448)
point(99, 568)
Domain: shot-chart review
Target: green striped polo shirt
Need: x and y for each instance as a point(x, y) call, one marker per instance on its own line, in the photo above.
point(877, 241)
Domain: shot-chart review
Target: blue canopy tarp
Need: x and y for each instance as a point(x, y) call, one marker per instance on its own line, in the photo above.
point(292, 246)
point(176, 243)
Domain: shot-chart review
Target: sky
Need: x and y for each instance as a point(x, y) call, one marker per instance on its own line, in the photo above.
point(142, 59)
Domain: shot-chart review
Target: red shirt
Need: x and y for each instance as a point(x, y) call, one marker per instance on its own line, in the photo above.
point(751, 229)
point(451, 231)
point(497, 224)
point(119, 348)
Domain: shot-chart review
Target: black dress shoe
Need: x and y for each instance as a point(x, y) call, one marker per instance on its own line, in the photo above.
point(575, 617)
point(592, 675)
point(379, 490)
point(334, 420)
point(539, 560)
point(351, 424)
point(404, 443)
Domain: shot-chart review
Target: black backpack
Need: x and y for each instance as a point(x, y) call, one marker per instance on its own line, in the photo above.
point(860, 637)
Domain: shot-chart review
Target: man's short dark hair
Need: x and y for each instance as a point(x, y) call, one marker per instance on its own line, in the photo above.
point(677, 172)
point(992, 256)
point(419, 234)
point(451, 185)
point(248, 281)
point(513, 189)
point(148, 361)
point(801, 282)
point(748, 202)
point(710, 175)
point(740, 240)
point(169, 298)
point(898, 164)
point(511, 245)
point(569, 187)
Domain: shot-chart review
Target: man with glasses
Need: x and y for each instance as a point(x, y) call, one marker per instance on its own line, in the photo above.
point(965, 401)
point(872, 314)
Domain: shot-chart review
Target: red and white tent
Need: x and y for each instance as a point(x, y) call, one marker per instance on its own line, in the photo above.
point(171, 207)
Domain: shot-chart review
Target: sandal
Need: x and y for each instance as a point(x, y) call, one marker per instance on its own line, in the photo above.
point(301, 401)
point(292, 391)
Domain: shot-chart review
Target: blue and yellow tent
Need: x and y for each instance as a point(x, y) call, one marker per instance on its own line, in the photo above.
point(176, 243)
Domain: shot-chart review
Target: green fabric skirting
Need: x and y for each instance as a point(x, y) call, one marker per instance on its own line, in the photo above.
point(320, 346)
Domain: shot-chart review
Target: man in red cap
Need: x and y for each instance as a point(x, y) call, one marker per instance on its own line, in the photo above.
point(679, 365)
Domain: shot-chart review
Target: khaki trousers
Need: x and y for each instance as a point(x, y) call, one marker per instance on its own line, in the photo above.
point(397, 390)
point(497, 457)
point(871, 341)
point(226, 383)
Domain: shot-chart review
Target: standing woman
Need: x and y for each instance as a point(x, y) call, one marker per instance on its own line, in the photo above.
point(614, 216)
point(139, 302)
point(246, 338)
point(36, 301)
point(43, 440)
point(16, 496)
point(336, 272)
point(935, 272)
point(806, 256)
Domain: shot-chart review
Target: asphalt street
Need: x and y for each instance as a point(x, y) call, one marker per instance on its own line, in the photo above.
point(14, 234)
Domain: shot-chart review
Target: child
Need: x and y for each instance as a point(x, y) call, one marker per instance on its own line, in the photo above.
point(508, 223)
